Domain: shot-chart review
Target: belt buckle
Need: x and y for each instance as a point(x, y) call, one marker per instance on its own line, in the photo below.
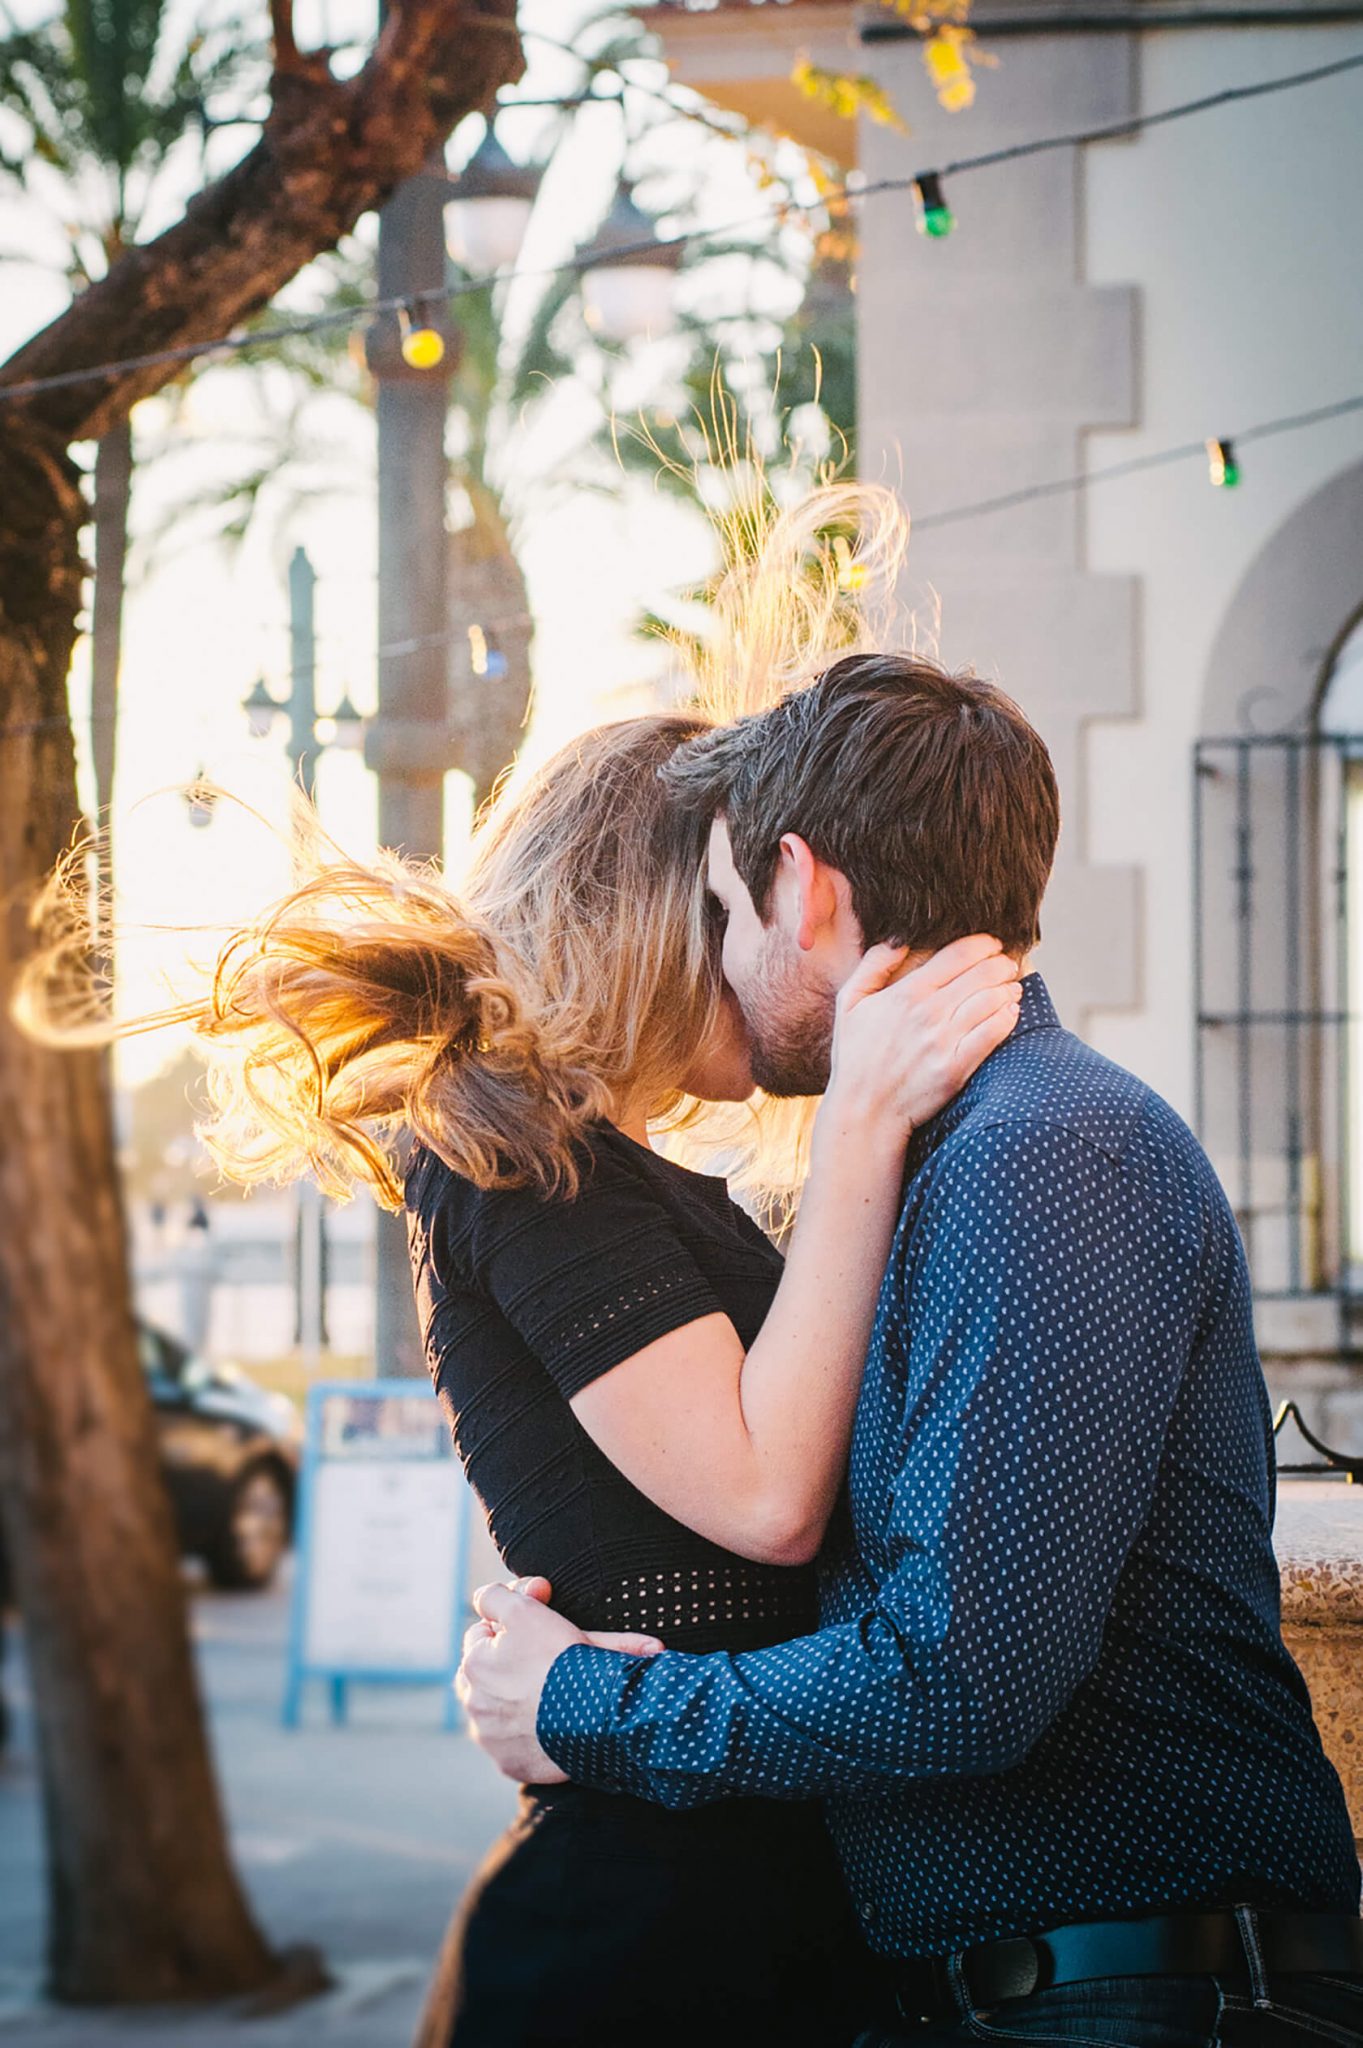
point(1014, 1970)
point(929, 2001)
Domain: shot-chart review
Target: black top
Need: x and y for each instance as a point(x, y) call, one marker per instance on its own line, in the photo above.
point(523, 1301)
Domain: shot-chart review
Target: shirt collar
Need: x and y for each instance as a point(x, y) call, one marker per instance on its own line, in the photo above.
point(1037, 1011)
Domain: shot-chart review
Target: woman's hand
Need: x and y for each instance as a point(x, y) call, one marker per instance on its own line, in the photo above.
point(905, 1043)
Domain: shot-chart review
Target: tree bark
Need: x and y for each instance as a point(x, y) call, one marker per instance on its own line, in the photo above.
point(113, 489)
point(144, 1903)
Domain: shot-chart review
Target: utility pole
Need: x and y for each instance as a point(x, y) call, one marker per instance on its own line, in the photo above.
point(408, 743)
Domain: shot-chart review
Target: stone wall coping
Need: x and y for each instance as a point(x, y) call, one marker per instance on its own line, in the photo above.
point(1318, 1537)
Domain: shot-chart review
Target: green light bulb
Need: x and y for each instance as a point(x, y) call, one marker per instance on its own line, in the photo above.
point(935, 217)
point(1222, 467)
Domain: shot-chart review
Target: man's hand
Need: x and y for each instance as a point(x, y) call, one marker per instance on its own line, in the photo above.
point(507, 1655)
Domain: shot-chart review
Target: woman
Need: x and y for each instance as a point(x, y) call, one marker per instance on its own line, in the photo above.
point(654, 1411)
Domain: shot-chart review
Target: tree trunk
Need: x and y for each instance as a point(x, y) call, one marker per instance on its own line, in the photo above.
point(144, 1901)
point(113, 488)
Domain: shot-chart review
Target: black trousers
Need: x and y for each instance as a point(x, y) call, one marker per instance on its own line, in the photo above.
point(601, 1920)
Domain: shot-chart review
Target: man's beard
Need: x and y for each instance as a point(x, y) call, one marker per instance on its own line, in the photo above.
point(790, 1027)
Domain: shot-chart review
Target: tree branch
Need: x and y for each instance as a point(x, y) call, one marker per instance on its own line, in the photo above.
point(286, 55)
point(330, 151)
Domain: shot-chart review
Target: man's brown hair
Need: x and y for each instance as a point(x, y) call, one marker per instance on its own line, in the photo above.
point(929, 791)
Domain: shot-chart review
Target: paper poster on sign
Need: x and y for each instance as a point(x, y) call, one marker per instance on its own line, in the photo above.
point(384, 1530)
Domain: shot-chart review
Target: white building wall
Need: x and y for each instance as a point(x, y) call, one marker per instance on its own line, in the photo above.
point(984, 358)
point(1243, 231)
point(1092, 306)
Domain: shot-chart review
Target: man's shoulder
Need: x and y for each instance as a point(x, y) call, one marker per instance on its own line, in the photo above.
point(1047, 1099)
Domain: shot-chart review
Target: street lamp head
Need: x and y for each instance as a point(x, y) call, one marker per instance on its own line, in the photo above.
point(261, 710)
point(628, 272)
point(489, 207)
point(347, 725)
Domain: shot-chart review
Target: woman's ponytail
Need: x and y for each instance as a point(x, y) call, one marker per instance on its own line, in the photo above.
point(366, 1003)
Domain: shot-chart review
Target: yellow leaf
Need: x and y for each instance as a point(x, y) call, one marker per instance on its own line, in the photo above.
point(845, 94)
point(948, 68)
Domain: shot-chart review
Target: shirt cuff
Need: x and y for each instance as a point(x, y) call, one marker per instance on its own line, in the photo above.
point(578, 1711)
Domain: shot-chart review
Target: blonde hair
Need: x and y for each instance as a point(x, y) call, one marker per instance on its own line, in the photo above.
point(575, 973)
point(573, 977)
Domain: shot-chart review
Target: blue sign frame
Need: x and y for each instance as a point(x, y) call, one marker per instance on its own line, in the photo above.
point(338, 1678)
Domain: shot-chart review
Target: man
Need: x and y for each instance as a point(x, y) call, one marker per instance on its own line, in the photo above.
point(1070, 1769)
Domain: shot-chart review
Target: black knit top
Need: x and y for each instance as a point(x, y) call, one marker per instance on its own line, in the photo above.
point(523, 1301)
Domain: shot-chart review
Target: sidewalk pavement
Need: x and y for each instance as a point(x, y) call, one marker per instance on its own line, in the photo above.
point(359, 1839)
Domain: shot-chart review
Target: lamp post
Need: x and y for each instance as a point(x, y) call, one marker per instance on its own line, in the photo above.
point(303, 745)
point(409, 745)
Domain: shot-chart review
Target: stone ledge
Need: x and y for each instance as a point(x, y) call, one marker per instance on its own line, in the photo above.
point(1319, 1543)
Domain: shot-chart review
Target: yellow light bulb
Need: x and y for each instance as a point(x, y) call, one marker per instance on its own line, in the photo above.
point(423, 348)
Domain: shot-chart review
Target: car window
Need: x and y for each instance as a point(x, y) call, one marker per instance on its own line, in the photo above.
point(161, 1360)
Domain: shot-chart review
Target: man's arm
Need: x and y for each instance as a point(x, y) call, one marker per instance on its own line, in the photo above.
point(1052, 1308)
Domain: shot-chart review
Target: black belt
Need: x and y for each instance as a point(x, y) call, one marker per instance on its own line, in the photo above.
point(1165, 1945)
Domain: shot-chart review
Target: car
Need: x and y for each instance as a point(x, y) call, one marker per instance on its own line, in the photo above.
point(229, 1455)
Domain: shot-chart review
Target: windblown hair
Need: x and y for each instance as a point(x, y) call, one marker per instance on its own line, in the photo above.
point(575, 973)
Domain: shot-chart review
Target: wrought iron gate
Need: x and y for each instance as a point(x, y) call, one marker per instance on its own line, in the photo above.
point(1278, 837)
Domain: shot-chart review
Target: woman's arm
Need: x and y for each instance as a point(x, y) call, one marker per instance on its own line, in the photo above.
point(750, 1450)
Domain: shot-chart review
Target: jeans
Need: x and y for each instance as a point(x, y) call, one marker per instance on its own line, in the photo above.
point(1248, 2010)
point(1160, 2012)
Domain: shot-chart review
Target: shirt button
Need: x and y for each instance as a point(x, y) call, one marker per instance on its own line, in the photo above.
point(868, 1911)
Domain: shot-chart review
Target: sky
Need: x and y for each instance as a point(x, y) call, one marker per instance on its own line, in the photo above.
point(203, 620)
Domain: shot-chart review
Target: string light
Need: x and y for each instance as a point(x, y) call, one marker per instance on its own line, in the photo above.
point(318, 322)
point(852, 574)
point(1223, 467)
point(1067, 486)
point(423, 346)
point(935, 217)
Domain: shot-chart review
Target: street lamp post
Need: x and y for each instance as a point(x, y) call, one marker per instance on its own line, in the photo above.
point(302, 748)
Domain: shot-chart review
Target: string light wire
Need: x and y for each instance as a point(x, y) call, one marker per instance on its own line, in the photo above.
point(1134, 465)
point(848, 194)
point(953, 515)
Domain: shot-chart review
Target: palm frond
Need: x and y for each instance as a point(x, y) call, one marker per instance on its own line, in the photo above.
point(37, 90)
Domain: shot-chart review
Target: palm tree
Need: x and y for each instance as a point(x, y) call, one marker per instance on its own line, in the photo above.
point(105, 104)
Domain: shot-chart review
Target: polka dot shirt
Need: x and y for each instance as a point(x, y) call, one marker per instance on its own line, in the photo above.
point(1050, 1683)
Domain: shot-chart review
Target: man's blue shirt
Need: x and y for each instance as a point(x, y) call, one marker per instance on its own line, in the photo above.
point(1050, 1685)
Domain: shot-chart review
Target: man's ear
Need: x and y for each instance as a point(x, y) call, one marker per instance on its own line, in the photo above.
point(810, 890)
